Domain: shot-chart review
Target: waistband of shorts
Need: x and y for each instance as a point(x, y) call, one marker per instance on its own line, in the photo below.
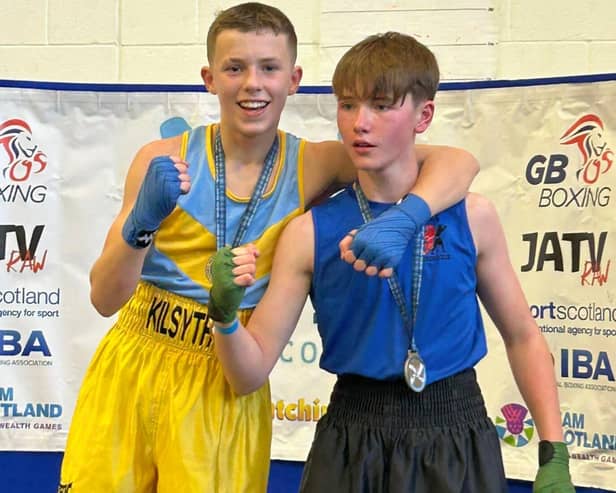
point(167, 318)
point(445, 403)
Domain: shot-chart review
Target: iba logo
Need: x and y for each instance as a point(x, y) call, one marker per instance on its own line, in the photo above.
point(513, 426)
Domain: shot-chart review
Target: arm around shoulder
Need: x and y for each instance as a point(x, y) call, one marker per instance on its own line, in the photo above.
point(445, 175)
point(444, 178)
point(327, 167)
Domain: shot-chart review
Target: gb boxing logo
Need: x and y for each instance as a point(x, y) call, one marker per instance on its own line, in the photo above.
point(24, 159)
point(596, 158)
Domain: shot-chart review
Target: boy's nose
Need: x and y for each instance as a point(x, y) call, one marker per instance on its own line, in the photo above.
point(253, 79)
point(362, 120)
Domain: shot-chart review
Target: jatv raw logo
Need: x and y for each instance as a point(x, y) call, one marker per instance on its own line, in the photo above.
point(594, 159)
point(569, 252)
point(22, 161)
point(26, 257)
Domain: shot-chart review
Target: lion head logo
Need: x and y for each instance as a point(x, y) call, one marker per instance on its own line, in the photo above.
point(597, 157)
point(23, 156)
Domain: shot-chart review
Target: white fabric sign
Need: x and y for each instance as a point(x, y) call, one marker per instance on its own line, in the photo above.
point(547, 155)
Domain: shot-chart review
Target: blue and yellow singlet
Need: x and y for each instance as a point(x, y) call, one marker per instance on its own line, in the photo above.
point(187, 237)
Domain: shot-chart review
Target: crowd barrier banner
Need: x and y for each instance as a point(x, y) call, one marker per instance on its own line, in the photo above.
point(547, 156)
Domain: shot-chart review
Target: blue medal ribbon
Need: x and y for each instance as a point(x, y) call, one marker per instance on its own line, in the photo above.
point(220, 195)
point(414, 367)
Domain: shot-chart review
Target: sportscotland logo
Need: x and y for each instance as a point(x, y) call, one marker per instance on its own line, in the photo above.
point(513, 427)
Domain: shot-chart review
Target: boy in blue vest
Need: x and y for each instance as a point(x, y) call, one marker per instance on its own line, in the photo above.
point(406, 413)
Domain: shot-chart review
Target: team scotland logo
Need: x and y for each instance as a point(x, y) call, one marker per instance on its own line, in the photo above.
point(515, 427)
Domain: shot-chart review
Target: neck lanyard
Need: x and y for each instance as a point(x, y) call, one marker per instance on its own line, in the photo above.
point(414, 367)
point(220, 196)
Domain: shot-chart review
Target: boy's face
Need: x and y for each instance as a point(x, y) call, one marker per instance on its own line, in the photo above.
point(252, 74)
point(378, 133)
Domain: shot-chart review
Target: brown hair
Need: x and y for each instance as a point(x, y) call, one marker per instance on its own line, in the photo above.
point(389, 65)
point(252, 17)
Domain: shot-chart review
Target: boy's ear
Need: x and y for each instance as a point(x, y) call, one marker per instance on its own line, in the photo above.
point(208, 79)
point(426, 113)
point(296, 78)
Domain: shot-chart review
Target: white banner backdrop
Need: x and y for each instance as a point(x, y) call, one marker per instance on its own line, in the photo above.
point(547, 154)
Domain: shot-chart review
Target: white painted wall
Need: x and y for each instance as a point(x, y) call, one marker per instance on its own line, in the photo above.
point(162, 41)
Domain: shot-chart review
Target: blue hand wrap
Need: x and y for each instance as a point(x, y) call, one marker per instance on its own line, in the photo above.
point(382, 241)
point(157, 198)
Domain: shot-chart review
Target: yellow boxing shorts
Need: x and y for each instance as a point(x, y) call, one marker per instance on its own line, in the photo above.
point(155, 413)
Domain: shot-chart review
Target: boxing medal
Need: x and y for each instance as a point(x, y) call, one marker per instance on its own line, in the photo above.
point(415, 371)
point(414, 367)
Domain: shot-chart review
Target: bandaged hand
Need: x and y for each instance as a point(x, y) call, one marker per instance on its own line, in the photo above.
point(165, 180)
point(553, 474)
point(378, 246)
point(230, 270)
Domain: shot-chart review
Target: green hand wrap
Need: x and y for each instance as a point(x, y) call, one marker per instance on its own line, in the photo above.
point(553, 474)
point(225, 295)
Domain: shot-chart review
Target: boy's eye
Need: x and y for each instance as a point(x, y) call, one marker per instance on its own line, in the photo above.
point(270, 68)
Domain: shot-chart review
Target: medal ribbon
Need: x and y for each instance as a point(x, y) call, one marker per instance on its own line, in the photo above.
point(394, 283)
point(220, 196)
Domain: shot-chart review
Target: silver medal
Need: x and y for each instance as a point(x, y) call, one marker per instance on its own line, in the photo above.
point(415, 371)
